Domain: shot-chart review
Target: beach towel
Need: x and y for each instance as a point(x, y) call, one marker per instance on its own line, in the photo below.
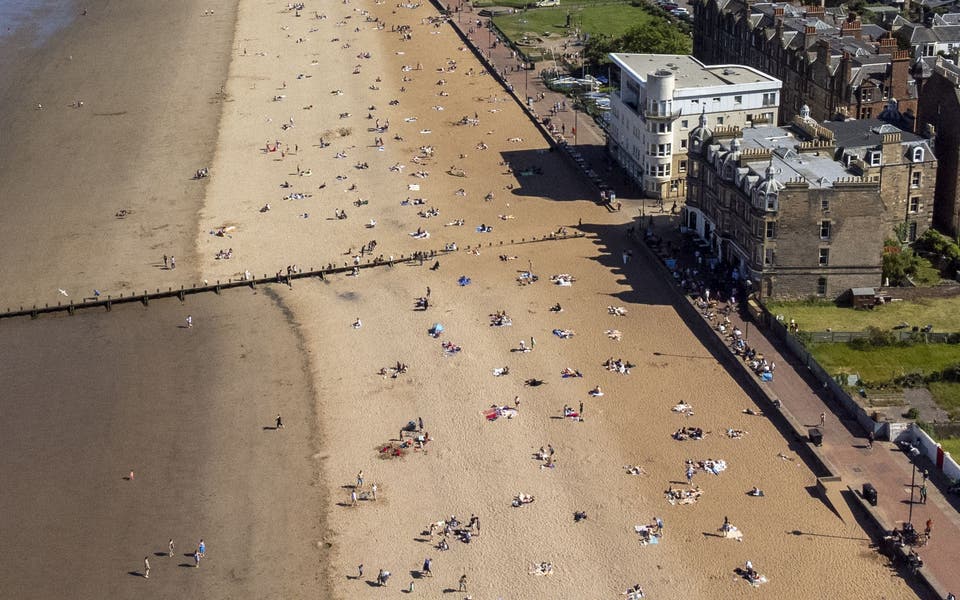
point(464, 280)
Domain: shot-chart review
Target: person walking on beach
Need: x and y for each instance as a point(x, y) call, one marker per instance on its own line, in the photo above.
point(360, 571)
point(165, 260)
point(202, 549)
point(189, 321)
point(463, 583)
point(196, 560)
point(353, 497)
point(360, 479)
point(170, 548)
point(279, 422)
point(426, 567)
point(173, 262)
point(146, 568)
point(419, 424)
point(689, 474)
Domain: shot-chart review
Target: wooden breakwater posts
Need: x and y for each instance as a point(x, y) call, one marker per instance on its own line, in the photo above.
point(182, 292)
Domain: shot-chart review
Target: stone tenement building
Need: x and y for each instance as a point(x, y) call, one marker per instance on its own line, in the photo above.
point(826, 60)
point(800, 214)
point(939, 116)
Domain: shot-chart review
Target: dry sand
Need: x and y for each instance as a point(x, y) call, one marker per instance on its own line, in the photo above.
point(190, 406)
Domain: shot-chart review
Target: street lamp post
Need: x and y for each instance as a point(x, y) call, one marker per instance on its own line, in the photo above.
point(913, 482)
point(575, 120)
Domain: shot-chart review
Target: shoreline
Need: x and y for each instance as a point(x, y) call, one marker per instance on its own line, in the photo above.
point(147, 76)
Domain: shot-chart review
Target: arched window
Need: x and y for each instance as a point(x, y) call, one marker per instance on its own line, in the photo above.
point(918, 155)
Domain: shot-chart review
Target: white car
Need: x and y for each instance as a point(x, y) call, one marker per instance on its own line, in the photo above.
point(680, 12)
point(544, 3)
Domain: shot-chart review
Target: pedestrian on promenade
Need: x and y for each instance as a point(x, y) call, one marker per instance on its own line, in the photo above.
point(870, 440)
point(823, 418)
point(928, 529)
point(923, 494)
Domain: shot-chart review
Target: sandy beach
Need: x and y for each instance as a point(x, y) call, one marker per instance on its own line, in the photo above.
point(288, 108)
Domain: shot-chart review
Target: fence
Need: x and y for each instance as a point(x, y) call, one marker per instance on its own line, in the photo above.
point(839, 337)
point(146, 296)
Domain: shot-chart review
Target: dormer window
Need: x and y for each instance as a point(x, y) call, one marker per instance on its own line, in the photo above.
point(917, 155)
point(873, 158)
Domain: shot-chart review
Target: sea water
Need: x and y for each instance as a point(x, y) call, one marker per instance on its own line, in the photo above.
point(25, 25)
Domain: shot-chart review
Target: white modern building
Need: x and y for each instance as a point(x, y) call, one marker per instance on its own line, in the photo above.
point(661, 99)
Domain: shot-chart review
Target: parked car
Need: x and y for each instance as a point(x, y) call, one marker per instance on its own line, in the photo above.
point(543, 3)
point(680, 12)
point(669, 6)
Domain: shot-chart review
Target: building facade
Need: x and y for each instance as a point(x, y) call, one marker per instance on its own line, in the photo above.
point(660, 99)
point(799, 215)
point(826, 59)
point(939, 117)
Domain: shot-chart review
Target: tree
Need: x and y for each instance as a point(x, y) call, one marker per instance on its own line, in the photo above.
point(653, 39)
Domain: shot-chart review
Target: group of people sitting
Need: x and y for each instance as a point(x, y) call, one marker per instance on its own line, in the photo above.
point(224, 254)
point(394, 371)
point(679, 496)
point(568, 372)
point(688, 433)
point(500, 319)
point(618, 366)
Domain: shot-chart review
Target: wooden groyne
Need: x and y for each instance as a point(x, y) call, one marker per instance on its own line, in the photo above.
point(283, 278)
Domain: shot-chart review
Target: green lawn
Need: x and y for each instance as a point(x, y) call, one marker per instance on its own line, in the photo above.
point(951, 445)
point(610, 19)
point(941, 313)
point(947, 396)
point(887, 362)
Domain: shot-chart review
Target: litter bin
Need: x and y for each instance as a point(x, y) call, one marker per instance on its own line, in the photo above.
point(870, 494)
point(816, 436)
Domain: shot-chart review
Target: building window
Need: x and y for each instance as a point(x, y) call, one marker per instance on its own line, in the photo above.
point(738, 99)
point(866, 113)
point(918, 155)
point(824, 230)
point(768, 117)
point(720, 120)
point(771, 231)
point(663, 127)
point(824, 257)
point(684, 124)
point(822, 286)
point(717, 99)
point(683, 144)
point(912, 231)
point(915, 178)
point(770, 99)
point(769, 256)
point(874, 157)
point(682, 166)
point(915, 204)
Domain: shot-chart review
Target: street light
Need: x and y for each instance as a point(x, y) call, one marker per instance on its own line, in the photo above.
point(576, 114)
point(913, 482)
